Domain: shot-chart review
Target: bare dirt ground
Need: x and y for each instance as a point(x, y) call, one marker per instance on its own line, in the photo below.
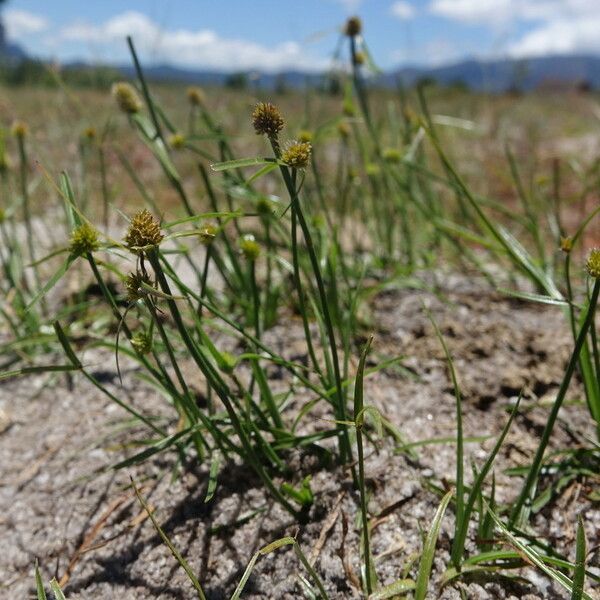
point(83, 524)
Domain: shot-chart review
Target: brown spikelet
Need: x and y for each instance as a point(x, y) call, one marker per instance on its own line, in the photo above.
point(267, 119)
point(144, 231)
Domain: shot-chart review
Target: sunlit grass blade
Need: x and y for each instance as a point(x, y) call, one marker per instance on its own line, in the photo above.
point(580, 555)
point(533, 557)
point(424, 573)
point(39, 584)
point(286, 541)
point(176, 554)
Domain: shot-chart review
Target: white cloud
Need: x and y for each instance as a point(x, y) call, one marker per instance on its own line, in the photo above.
point(490, 12)
point(562, 36)
point(402, 10)
point(554, 26)
point(187, 47)
point(20, 23)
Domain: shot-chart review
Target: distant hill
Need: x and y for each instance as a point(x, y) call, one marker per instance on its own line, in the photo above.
point(502, 75)
point(493, 76)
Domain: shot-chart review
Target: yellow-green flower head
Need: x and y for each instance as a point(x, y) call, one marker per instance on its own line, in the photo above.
point(264, 206)
point(348, 108)
point(343, 129)
point(2, 215)
point(353, 27)
point(134, 286)
point(207, 234)
point(195, 96)
point(359, 58)
point(84, 240)
point(304, 135)
point(267, 119)
point(177, 141)
point(250, 247)
point(297, 154)
point(373, 169)
point(593, 263)
point(19, 129)
point(141, 342)
point(392, 155)
point(566, 244)
point(126, 97)
point(89, 133)
point(144, 231)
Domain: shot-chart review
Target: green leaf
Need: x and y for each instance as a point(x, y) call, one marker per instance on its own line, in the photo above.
point(39, 585)
point(402, 586)
point(429, 549)
point(242, 162)
point(52, 281)
point(579, 576)
point(58, 594)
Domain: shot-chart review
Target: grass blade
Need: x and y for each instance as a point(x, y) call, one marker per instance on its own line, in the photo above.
point(429, 549)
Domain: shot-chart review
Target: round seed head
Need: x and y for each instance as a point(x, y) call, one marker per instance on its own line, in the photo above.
point(126, 97)
point(267, 119)
point(348, 108)
point(144, 231)
point(392, 155)
point(593, 263)
point(297, 155)
point(89, 133)
point(566, 244)
point(134, 286)
point(353, 27)
point(195, 96)
point(264, 206)
point(305, 135)
point(84, 240)
point(19, 129)
point(343, 129)
point(177, 141)
point(141, 342)
point(250, 247)
point(208, 234)
point(373, 169)
point(359, 58)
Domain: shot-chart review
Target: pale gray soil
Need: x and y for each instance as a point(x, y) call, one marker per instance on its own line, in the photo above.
point(55, 441)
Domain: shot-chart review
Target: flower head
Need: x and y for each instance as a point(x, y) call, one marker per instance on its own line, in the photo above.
point(250, 247)
point(195, 96)
point(127, 97)
point(566, 244)
point(267, 119)
point(19, 129)
point(144, 231)
point(89, 134)
point(141, 342)
point(297, 154)
point(593, 263)
point(305, 135)
point(84, 240)
point(208, 234)
point(353, 27)
point(392, 155)
point(177, 141)
point(134, 286)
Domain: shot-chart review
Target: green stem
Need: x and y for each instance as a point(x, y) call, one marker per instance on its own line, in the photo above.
point(534, 470)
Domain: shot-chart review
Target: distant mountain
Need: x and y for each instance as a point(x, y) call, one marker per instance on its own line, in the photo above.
point(502, 75)
point(169, 73)
point(491, 76)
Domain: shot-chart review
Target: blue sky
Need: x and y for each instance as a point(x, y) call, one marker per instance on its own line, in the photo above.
point(275, 35)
